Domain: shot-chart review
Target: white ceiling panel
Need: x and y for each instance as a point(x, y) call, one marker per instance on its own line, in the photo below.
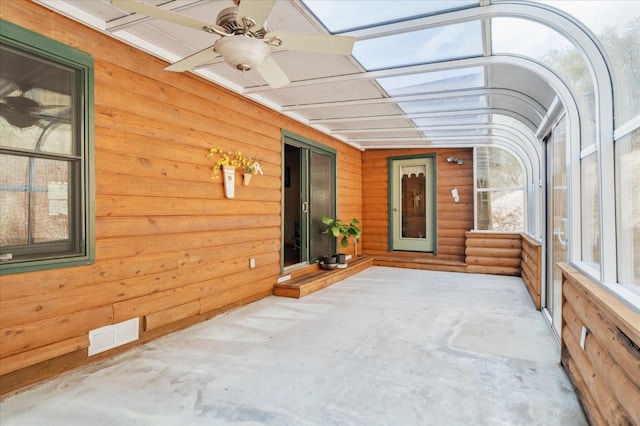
point(332, 92)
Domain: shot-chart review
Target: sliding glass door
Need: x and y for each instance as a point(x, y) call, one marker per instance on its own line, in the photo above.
point(309, 182)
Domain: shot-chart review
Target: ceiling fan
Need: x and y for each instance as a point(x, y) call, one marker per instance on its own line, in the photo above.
point(246, 43)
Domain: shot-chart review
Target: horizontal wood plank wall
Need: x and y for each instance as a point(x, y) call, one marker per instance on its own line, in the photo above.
point(531, 268)
point(170, 248)
point(453, 219)
point(605, 370)
point(498, 253)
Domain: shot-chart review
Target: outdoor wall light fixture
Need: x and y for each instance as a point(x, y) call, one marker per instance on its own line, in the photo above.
point(455, 160)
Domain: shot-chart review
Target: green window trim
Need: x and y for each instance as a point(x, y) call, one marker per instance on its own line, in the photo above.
point(82, 63)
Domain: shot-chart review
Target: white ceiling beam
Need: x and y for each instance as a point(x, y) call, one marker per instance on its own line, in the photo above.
point(535, 105)
point(438, 114)
point(136, 18)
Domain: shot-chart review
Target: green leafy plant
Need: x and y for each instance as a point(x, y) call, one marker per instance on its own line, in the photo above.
point(336, 228)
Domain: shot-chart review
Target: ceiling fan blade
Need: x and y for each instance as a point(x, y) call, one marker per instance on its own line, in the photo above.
point(317, 43)
point(192, 61)
point(164, 15)
point(272, 73)
point(258, 10)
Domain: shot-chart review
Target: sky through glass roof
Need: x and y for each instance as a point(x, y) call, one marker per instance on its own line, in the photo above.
point(429, 45)
point(437, 81)
point(340, 15)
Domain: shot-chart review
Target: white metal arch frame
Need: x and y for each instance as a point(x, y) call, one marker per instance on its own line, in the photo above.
point(596, 60)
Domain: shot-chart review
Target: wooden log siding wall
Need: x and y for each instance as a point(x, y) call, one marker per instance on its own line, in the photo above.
point(605, 370)
point(453, 219)
point(496, 253)
point(531, 268)
point(171, 249)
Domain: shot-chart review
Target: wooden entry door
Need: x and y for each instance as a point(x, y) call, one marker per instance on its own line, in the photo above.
point(412, 207)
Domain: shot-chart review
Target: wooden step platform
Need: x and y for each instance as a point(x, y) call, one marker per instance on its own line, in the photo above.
point(319, 279)
point(405, 260)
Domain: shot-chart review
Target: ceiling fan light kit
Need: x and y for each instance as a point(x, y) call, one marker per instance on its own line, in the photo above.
point(243, 53)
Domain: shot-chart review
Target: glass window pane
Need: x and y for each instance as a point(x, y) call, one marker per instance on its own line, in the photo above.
point(615, 24)
point(14, 198)
point(513, 35)
point(455, 41)
point(500, 210)
point(437, 81)
point(497, 168)
point(34, 200)
point(590, 210)
point(628, 209)
point(50, 201)
point(36, 95)
point(338, 15)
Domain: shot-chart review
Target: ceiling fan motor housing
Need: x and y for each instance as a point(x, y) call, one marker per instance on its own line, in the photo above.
point(227, 19)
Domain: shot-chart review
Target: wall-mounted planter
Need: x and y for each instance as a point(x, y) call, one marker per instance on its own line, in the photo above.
point(247, 178)
point(229, 175)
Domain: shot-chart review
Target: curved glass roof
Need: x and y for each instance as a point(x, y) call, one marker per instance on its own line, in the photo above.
point(422, 73)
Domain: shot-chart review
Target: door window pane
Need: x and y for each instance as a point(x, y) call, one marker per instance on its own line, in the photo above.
point(414, 219)
point(322, 202)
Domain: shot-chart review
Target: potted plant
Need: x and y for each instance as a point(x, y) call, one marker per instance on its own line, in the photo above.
point(336, 228)
point(353, 230)
point(231, 162)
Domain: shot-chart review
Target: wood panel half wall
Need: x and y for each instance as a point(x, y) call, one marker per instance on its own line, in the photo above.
point(496, 253)
point(600, 350)
point(531, 268)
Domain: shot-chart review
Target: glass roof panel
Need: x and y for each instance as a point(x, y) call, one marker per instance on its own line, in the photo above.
point(449, 104)
point(437, 81)
point(453, 120)
point(514, 35)
point(340, 15)
point(455, 41)
point(455, 133)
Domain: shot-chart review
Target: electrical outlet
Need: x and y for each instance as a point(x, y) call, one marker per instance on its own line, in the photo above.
point(252, 262)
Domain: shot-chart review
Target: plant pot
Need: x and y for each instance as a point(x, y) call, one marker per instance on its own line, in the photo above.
point(341, 258)
point(229, 174)
point(329, 260)
point(328, 266)
point(247, 178)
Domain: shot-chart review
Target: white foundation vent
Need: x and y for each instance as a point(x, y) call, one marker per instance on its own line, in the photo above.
point(108, 337)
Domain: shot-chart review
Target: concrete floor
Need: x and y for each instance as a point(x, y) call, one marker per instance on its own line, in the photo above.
point(384, 347)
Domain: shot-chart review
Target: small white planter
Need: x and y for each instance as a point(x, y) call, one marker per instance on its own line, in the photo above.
point(229, 175)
